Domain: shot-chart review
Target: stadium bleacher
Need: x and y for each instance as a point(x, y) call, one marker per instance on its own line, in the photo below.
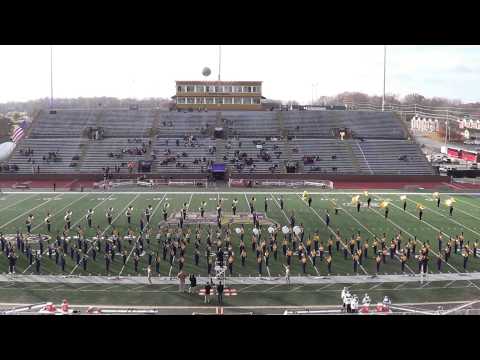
point(269, 139)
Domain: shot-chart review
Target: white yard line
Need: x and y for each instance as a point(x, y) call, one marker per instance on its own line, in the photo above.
point(450, 218)
point(61, 210)
point(189, 201)
point(324, 287)
point(373, 287)
point(104, 231)
point(399, 192)
point(30, 211)
point(295, 288)
point(86, 286)
point(74, 224)
point(110, 287)
point(246, 287)
point(273, 287)
point(246, 199)
point(138, 287)
point(288, 221)
point(418, 241)
point(468, 203)
point(371, 233)
point(333, 232)
point(16, 203)
point(450, 283)
point(134, 245)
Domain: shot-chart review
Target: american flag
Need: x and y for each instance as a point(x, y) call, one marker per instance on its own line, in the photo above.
point(18, 133)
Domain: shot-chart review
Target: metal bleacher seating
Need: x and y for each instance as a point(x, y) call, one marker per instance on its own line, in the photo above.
point(379, 144)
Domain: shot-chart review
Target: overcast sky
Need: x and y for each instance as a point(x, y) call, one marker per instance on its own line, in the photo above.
point(287, 72)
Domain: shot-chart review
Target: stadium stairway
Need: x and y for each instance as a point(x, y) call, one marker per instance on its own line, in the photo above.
point(403, 124)
point(348, 146)
point(220, 153)
point(288, 152)
point(155, 126)
point(84, 147)
point(281, 124)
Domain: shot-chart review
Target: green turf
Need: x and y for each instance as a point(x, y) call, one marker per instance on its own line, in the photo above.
point(14, 209)
point(253, 295)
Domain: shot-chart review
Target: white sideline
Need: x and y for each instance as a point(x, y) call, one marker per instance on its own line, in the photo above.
point(199, 192)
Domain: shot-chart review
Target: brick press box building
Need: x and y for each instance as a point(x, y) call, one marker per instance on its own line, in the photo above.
point(218, 95)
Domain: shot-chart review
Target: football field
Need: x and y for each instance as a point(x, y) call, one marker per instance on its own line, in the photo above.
point(368, 223)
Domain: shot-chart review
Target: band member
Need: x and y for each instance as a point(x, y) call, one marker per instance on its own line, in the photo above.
point(309, 201)
point(109, 215)
point(29, 222)
point(378, 261)
point(369, 200)
point(289, 257)
point(259, 262)
point(450, 210)
point(219, 209)
point(68, 219)
point(202, 209)
point(265, 205)
point(438, 201)
point(403, 260)
point(465, 259)
point(252, 206)
point(184, 210)
point(358, 206)
point(48, 222)
point(386, 213)
point(148, 213)
point(327, 219)
point(62, 261)
point(439, 262)
point(230, 264)
point(304, 264)
point(12, 260)
point(281, 202)
point(165, 214)
point(234, 206)
point(420, 214)
point(128, 214)
point(404, 205)
point(329, 264)
point(135, 263)
point(355, 263)
point(89, 217)
point(292, 220)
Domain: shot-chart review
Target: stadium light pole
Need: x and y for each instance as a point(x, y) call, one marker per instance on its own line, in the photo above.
point(51, 76)
point(384, 71)
point(219, 61)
